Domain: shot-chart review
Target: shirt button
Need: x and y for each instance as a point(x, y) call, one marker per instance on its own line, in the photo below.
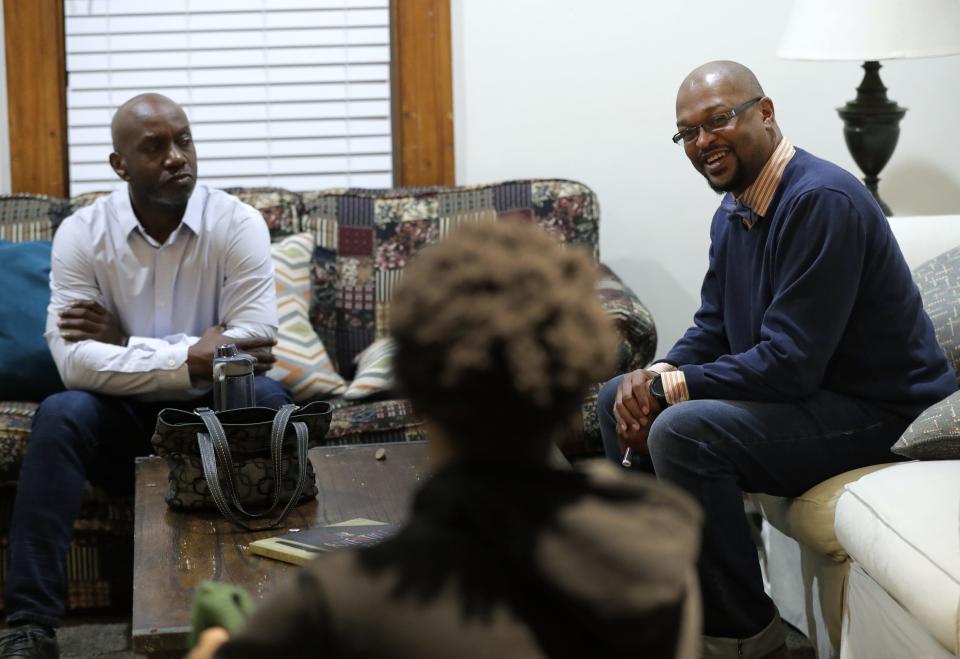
point(171, 362)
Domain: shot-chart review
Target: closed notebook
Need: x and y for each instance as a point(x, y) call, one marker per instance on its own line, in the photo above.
point(298, 547)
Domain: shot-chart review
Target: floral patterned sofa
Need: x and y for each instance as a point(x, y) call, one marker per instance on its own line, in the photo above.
point(363, 239)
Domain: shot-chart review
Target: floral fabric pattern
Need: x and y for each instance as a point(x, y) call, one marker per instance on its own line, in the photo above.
point(405, 209)
point(396, 243)
point(280, 208)
point(638, 334)
point(356, 421)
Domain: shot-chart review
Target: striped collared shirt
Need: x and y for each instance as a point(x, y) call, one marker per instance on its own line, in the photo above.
point(759, 194)
point(757, 197)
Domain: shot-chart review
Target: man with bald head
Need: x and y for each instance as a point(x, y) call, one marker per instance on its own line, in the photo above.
point(145, 283)
point(809, 356)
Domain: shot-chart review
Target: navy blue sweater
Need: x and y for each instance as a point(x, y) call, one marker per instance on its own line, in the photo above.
point(816, 295)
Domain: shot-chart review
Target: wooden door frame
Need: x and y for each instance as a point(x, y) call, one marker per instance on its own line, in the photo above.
point(36, 96)
point(421, 94)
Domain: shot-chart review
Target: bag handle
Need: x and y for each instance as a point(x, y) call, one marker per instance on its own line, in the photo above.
point(216, 458)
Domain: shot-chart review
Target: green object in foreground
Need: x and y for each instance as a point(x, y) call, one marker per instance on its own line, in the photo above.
point(218, 604)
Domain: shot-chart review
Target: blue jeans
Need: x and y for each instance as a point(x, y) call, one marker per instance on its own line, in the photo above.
point(76, 436)
point(718, 449)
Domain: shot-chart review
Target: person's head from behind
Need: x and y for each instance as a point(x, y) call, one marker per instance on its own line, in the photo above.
point(499, 332)
point(726, 125)
point(153, 151)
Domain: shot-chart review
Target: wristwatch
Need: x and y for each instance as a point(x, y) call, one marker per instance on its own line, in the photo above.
point(656, 390)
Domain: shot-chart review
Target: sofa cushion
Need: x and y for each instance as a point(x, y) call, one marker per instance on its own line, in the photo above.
point(901, 525)
point(280, 208)
point(365, 238)
point(15, 421)
point(374, 374)
point(380, 421)
point(935, 434)
point(809, 518)
point(302, 362)
point(28, 371)
point(30, 217)
point(939, 283)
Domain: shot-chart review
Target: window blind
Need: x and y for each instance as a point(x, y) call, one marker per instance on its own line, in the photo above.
point(286, 93)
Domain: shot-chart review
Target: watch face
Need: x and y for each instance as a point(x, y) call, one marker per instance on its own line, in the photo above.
point(656, 390)
point(656, 387)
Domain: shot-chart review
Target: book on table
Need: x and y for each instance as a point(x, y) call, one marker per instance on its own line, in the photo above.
point(301, 546)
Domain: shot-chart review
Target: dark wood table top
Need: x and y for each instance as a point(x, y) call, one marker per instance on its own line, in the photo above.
point(174, 552)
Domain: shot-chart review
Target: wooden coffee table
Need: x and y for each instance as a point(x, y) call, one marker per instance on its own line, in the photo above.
point(174, 552)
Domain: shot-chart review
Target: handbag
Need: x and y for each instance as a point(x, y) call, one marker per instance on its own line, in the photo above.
point(241, 459)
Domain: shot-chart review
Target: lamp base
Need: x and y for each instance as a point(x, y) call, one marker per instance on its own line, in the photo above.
point(871, 128)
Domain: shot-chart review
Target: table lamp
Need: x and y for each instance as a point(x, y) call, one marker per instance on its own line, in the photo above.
point(870, 31)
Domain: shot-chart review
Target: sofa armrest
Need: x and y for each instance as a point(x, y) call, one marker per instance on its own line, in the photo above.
point(638, 334)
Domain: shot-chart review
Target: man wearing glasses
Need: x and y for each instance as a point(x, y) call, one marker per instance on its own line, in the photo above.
point(809, 356)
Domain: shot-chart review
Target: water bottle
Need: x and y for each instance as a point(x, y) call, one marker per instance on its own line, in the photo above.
point(233, 379)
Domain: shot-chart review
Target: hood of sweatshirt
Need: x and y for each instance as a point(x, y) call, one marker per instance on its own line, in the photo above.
point(594, 559)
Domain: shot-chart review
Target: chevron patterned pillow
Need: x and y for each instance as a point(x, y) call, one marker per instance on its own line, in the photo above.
point(302, 362)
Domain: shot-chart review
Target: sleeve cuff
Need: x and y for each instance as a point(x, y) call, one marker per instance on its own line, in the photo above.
point(674, 386)
point(662, 367)
point(176, 374)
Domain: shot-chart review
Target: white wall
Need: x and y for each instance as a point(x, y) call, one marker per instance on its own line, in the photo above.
point(586, 90)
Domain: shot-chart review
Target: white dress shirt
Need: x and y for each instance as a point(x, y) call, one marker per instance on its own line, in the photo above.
point(214, 268)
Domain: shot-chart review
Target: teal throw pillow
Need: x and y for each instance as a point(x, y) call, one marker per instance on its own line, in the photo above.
point(27, 371)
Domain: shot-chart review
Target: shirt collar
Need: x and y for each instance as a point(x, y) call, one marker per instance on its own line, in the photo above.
point(759, 194)
point(192, 217)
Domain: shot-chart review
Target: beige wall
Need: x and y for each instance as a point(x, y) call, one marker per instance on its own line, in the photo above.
point(585, 90)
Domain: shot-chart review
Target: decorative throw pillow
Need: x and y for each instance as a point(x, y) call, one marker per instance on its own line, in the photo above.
point(374, 370)
point(939, 282)
point(935, 434)
point(27, 371)
point(302, 362)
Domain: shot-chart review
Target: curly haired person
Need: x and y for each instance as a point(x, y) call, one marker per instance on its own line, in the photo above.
point(498, 335)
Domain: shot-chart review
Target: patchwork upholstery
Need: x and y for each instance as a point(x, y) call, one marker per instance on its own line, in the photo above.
point(15, 420)
point(280, 208)
point(638, 334)
point(100, 560)
point(30, 217)
point(362, 240)
point(366, 237)
point(370, 423)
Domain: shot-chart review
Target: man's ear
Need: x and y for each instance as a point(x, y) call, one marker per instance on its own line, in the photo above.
point(766, 109)
point(119, 165)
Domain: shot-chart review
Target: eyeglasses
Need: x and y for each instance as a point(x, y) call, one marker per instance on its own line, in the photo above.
point(716, 122)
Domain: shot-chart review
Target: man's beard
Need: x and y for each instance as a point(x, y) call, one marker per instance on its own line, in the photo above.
point(735, 183)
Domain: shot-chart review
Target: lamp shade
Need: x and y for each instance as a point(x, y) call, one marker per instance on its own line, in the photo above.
point(871, 29)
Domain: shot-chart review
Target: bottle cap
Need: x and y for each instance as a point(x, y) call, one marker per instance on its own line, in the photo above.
point(227, 350)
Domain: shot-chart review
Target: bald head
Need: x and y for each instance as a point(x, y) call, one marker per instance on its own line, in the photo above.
point(727, 123)
point(153, 151)
point(131, 116)
point(731, 75)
